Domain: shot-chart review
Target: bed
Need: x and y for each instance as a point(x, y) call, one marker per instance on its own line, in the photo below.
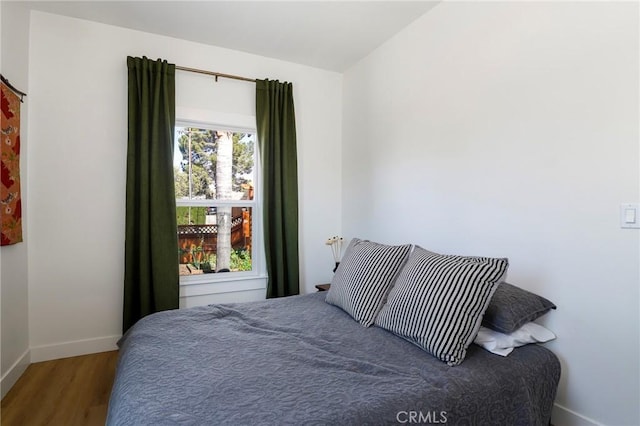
point(299, 360)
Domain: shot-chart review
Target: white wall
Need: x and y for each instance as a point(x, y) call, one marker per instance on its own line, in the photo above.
point(511, 129)
point(14, 354)
point(77, 156)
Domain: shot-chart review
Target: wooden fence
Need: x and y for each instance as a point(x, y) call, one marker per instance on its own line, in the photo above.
point(197, 242)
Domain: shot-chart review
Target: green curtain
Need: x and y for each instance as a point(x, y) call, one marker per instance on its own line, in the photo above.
point(151, 281)
point(276, 125)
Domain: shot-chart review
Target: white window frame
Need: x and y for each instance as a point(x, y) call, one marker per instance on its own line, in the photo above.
point(241, 280)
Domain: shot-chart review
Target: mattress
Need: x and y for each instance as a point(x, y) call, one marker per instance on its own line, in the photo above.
point(299, 360)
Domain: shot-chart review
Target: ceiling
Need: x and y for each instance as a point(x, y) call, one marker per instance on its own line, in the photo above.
point(332, 35)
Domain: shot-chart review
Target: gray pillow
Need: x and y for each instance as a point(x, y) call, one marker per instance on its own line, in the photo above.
point(512, 307)
point(363, 278)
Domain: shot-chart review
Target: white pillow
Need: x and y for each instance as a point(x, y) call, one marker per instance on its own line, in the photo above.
point(503, 344)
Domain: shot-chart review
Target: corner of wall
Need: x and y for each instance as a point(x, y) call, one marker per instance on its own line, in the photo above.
point(14, 372)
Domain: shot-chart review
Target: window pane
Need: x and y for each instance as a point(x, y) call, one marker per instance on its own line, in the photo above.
point(214, 239)
point(213, 164)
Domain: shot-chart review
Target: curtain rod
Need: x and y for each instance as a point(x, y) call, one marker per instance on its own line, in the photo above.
point(12, 87)
point(215, 74)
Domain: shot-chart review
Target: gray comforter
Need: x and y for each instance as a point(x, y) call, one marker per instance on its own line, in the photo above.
point(300, 361)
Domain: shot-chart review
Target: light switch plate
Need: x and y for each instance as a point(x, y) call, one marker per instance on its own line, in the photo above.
point(629, 215)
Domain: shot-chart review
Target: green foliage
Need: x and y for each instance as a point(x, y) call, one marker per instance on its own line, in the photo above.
point(181, 183)
point(198, 215)
point(242, 160)
point(240, 260)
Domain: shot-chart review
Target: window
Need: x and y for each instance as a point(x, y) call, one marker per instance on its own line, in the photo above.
point(215, 178)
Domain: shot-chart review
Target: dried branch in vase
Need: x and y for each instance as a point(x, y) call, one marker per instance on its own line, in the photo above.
point(336, 247)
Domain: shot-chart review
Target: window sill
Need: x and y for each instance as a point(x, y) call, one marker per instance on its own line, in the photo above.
point(214, 284)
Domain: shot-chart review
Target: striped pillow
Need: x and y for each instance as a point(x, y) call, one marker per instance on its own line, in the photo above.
point(364, 277)
point(438, 301)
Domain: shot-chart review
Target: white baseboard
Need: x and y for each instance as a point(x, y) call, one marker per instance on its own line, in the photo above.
point(75, 348)
point(13, 374)
point(562, 416)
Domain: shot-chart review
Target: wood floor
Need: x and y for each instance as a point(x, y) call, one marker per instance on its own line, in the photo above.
point(65, 392)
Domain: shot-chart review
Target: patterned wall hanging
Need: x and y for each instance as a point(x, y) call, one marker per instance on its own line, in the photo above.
point(10, 201)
